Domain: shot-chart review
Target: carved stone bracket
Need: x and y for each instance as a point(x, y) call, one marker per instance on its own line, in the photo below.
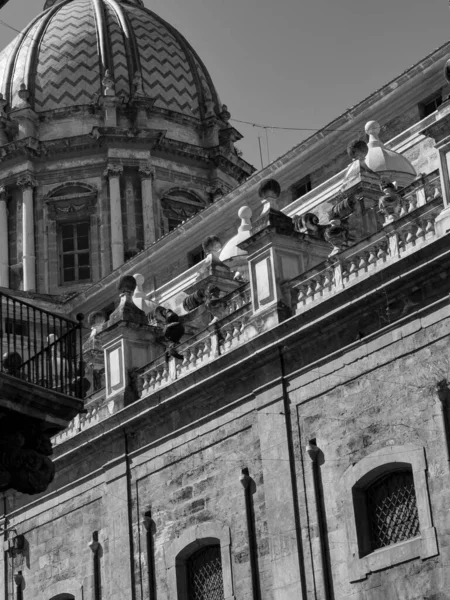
point(3, 193)
point(113, 170)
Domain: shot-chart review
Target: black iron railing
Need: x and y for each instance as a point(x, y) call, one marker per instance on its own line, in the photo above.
point(41, 347)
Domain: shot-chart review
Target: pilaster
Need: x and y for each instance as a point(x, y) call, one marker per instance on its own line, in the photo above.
point(149, 210)
point(27, 184)
point(4, 249)
point(113, 173)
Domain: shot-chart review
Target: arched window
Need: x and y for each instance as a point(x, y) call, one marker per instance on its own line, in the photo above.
point(387, 510)
point(204, 574)
point(199, 564)
point(392, 509)
point(63, 597)
point(177, 206)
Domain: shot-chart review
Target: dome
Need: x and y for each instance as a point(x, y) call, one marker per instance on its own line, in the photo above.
point(383, 160)
point(62, 57)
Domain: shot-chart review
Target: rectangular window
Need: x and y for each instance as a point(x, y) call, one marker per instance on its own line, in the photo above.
point(428, 106)
point(301, 188)
point(75, 252)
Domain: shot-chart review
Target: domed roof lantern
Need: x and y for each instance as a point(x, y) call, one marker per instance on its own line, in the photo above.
point(387, 162)
point(231, 248)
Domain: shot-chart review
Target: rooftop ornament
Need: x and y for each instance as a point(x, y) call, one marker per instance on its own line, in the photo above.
point(386, 162)
point(231, 248)
point(269, 192)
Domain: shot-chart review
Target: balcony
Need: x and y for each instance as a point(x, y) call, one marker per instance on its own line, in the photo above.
point(41, 390)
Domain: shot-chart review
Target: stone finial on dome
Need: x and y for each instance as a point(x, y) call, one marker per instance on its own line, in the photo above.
point(385, 161)
point(231, 248)
point(109, 84)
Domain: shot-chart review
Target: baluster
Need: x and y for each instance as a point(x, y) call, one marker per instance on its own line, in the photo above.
point(236, 332)
point(420, 231)
point(429, 229)
point(310, 290)
point(412, 202)
point(371, 261)
point(327, 282)
point(301, 297)
point(228, 338)
point(381, 253)
point(404, 205)
point(152, 379)
point(146, 383)
point(208, 347)
point(353, 270)
point(362, 264)
point(410, 237)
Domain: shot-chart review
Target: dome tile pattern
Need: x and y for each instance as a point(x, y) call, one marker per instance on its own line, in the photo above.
point(167, 75)
point(63, 55)
point(68, 70)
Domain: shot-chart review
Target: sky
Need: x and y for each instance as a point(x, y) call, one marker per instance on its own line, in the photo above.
point(291, 63)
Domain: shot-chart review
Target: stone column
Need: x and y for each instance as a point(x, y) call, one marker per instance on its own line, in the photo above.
point(113, 173)
point(4, 248)
point(149, 211)
point(27, 184)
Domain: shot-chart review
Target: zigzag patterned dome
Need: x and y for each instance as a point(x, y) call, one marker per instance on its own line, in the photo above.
point(61, 58)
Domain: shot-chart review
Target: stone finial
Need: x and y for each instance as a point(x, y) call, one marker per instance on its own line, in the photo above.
point(139, 296)
point(127, 284)
point(231, 248)
point(245, 214)
point(127, 309)
point(109, 84)
point(225, 115)
point(269, 192)
point(212, 245)
point(357, 150)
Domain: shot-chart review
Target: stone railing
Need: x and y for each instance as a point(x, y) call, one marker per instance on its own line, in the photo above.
point(90, 417)
point(220, 337)
point(414, 228)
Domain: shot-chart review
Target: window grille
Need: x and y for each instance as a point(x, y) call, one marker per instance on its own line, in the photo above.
point(392, 509)
point(205, 581)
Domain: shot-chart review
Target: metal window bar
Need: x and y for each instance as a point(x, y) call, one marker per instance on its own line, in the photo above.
point(392, 509)
point(205, 579)
point(40, 347)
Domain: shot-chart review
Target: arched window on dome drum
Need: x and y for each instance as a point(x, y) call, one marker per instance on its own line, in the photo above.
point(204, 574)
point(392, 509)
point(177, 206)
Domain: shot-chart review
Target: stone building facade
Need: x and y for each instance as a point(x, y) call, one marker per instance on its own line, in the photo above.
point(266, 422)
